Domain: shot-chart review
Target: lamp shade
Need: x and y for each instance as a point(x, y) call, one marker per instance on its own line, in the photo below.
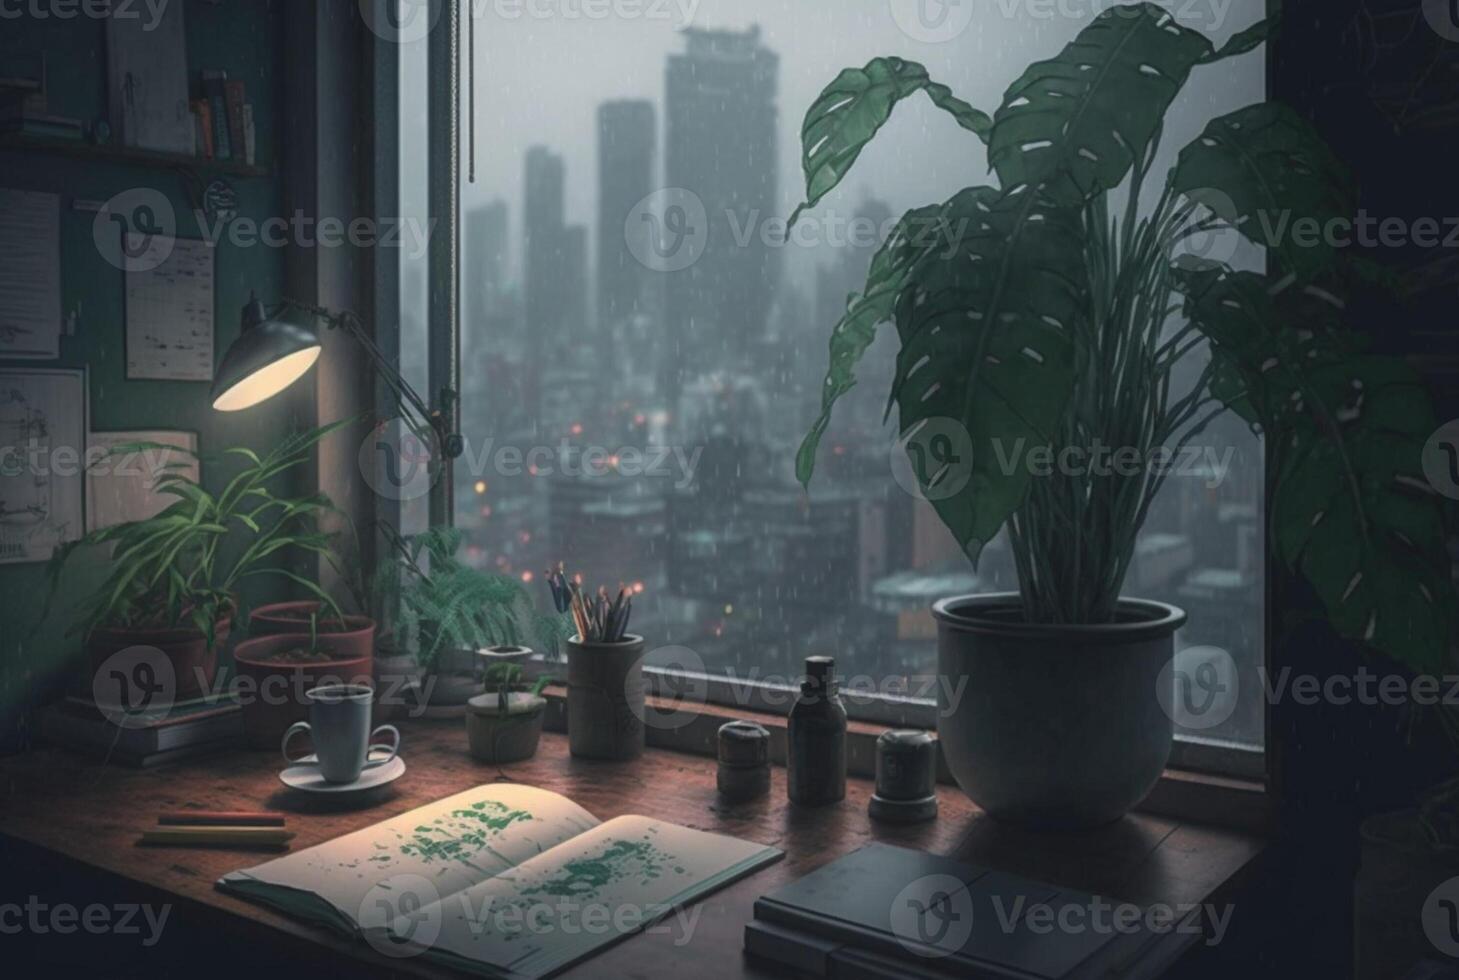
point(268, 356)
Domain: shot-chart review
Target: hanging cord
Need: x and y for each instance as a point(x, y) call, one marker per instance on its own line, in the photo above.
point(471, 91)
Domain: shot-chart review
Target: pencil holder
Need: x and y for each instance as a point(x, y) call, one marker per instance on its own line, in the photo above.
point(605, 699)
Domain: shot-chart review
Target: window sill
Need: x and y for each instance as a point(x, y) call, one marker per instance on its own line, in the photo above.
point(1236, 804)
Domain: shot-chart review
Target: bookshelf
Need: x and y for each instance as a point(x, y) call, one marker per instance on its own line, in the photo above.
point(80, 150)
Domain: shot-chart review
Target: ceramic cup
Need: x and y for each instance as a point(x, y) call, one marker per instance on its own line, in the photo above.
point(339, 725)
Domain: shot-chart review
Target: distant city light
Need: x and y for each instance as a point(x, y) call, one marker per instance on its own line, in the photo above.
point(527, 576)
point(480, 487)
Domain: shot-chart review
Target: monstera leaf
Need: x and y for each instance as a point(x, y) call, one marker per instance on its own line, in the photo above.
point(987, 353)
point(1267, 173)
point(1351, 509)
point(851, 110)
point(1075, 124)
point(915, 233)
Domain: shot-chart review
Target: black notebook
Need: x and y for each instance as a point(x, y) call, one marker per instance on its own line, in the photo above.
point(889, 911)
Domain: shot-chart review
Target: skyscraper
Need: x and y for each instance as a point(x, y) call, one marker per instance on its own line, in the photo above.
point(626, 144)
point(484, 255)
point(543, 300)
point(720, 145)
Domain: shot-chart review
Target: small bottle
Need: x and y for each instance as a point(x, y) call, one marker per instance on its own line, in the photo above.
point(816, 756)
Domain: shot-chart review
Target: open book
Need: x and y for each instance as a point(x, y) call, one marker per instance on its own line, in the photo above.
point(502, 880)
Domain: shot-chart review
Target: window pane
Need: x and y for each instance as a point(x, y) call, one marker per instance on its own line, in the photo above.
point(643, 352)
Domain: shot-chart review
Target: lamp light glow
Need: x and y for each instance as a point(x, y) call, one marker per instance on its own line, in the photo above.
point(267, 381)
point(269, 355)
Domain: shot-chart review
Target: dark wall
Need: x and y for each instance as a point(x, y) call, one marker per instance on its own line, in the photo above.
point(246, 40)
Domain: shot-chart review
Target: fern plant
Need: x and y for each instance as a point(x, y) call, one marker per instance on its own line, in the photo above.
point(1051, 309)
point(182, 568)
point(447, 605)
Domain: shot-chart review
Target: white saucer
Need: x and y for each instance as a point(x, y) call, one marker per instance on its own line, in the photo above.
point(305, 776)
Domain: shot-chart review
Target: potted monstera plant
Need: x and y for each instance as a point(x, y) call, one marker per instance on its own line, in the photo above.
point(1049, 308)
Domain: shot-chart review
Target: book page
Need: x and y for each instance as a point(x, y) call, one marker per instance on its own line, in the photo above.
point(442, 848)
point(553, 910)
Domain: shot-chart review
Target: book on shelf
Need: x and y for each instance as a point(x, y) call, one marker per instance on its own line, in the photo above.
point(203, 128)
point(235, 99)
point(44, 127)
point(215, 90)
point(250, 136)
point(885, 912)
point(503, 880)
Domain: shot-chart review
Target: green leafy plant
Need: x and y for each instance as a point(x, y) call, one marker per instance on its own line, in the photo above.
point(505, 679)
point(1052, 309)
point(448, 605)
point(183, 567)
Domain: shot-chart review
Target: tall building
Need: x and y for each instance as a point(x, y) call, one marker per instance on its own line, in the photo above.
point(484, 255)
point(543, 299)
point(626, 145)
point(720, 145)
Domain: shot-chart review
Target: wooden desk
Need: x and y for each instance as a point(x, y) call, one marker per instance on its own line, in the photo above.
point(87, 816)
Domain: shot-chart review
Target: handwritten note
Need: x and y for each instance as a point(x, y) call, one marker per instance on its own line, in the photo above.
point(30, 274)
point(169, 309)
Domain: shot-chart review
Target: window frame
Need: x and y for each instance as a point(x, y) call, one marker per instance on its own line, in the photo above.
point(1196, 754)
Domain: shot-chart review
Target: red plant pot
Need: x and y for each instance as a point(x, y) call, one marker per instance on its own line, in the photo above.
point(194, 662)
point(273, 693)
point(356, 639)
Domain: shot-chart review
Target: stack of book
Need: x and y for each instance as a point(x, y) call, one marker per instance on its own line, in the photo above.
point(143, 739)
point(887, 912)
point(24, 111)
point(223, 117)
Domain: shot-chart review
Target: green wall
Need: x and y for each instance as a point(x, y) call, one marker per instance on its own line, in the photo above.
point(245, 39)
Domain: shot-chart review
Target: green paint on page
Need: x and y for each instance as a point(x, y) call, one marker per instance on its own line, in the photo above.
point(585, 877)
point(462, 834)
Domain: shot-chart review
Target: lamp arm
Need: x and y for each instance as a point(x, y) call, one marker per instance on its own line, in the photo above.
point(451, 443)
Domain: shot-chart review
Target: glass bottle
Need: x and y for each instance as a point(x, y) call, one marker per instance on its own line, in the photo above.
point(816, 756)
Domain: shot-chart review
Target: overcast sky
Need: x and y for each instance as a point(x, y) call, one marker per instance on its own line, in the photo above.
point(541, 79)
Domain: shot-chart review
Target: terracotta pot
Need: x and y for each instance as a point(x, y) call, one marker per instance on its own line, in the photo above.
point(356, 639)
point(605, 699)
point(194, 662)
point(273, 694)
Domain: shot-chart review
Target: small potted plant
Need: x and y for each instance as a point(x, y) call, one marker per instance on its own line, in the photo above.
point(174, 578)
point(451, 612)
point(276, 670)
point(350, 634)
point(504, 724)
point(605, 692)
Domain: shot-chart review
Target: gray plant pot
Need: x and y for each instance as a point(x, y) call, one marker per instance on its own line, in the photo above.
point(499, 737)
point(1054, 727)
point(605, 699)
